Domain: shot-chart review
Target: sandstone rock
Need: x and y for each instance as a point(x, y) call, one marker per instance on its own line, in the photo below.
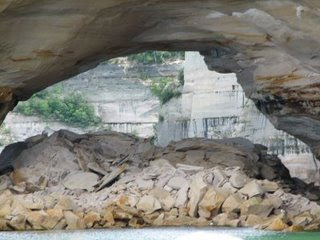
point(278, 224)
point(18, 222)
point(81, 180)
point(73, 221)
point(232, 203)
point(254, 220)
point(211, 203)
point(148, 204)
point(91, 218)
point(255, 206)
point(294, 228)
point(108, 218)
point(252, 189)
point(54, 216)
point(165, 198)
point(36, 219)
point(31, 202)
point(197, 190)
point(66, 203)
point(178, 183)
point(159, 221)
point(226, 219)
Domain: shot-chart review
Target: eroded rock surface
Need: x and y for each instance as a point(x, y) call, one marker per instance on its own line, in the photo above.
point(108, 179)
point(272, 46)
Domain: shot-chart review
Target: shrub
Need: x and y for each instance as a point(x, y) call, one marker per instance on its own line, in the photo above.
point(50, 104)
point(165, 89)
point(181, 77)
point(155, 57)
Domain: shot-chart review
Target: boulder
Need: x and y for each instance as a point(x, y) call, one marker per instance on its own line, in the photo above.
point(165, 198)
point(232, 203)
point(181, 197)
point(178, 183)
point(197, 190)
point(81, 180)
point(210, 204)
point(252, 189)
point(238, 179)
point(91, 218)
point(148, 204)
point(74, 222)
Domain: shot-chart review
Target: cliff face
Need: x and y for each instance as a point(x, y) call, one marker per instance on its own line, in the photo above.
point(121, 98)
point(272, 46)
point(214, 106)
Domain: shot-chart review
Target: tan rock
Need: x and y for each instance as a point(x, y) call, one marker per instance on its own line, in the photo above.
point(278, 224)
point(197, 190)
point(36, 219)
point(73, 221)
point(254, 221)
point(18, 222)
point(159, 221)
point(256, 206)
point(165, 198)
point(65, 203)
point(91, 218)
point(211, 203)
point(226, 219)
point(54, 217)
point(294, 228)
point(148, 204)
point(108, 217)
point(5, 208)
point(232, 203)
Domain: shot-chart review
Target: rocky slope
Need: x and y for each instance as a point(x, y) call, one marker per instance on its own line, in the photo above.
point(108, 179)
point(272, 46)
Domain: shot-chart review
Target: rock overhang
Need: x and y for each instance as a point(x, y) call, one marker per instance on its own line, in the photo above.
point(272, 46)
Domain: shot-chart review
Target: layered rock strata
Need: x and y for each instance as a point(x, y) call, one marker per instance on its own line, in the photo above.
point(107, 179)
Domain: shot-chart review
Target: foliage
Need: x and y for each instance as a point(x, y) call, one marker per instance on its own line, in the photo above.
point(52, 104)
point(181, 77)
point(155, 57)
point(165, 89)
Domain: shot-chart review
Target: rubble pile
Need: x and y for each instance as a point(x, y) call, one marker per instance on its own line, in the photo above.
point(108, 179)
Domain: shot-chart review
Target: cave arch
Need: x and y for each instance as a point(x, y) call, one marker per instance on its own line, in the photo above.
point(272, 46)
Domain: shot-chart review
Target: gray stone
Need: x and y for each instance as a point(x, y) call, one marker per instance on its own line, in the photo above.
point(81, 180)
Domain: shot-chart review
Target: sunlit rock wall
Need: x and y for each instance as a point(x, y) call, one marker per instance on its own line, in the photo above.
point(214, 106)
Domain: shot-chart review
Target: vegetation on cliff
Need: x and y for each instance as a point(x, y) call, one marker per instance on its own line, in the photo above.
point(155, 57)
point(72, 109)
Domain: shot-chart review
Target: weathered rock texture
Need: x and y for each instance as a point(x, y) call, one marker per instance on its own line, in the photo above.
point(272, 46)
point(108, 179)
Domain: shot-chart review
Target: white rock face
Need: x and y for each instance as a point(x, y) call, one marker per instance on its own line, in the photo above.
point(214, 105)
point(119, 96)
